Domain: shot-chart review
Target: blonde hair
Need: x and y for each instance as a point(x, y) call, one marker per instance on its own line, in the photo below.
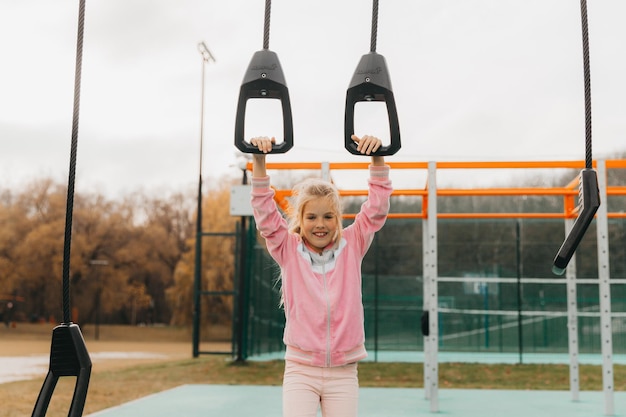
point(308, 190)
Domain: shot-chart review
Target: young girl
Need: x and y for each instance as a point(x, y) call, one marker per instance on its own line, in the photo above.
point(320, 266)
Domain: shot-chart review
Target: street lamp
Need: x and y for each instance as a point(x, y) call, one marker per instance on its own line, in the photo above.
point(206, 57)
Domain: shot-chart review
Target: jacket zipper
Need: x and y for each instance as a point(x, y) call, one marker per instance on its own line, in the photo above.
point(327, 317)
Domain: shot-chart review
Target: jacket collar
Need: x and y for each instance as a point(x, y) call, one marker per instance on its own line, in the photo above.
point(324, 261)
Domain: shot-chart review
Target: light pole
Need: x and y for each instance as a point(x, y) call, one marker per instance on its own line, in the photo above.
point(206, 57)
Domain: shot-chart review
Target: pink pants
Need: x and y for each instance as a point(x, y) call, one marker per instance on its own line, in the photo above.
point(306, 388)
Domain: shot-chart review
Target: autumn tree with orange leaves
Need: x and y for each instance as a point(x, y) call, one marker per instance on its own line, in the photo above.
point(133, 258)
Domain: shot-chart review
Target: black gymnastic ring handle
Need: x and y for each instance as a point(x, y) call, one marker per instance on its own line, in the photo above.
point(371, 82)
point(589, 197)
point(264, 79)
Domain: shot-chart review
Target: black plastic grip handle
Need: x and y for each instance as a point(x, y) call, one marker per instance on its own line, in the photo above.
point(589, 196)
point(371, 82)
point(68, 357)
point(264, 79)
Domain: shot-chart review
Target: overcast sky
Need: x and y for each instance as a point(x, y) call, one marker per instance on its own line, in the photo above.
point(472, 79)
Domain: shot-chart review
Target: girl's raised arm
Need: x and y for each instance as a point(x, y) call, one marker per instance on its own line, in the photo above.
point(258, 160)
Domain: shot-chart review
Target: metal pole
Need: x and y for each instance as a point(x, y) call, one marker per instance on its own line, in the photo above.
point(430, 276)
point(572, 321)
point(520, 333)
point(98, 297)
point(376, 295)
point(206, 57)
point(426, 300)
point(604, 276)
point(241, 310)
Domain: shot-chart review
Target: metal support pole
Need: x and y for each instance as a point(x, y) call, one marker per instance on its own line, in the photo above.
point(518, 255)
point(606, 332)
point(572, 320)
point(197, 281)
point(431, 366)
point(241, 292)
point(376, 296)
point(426, 300)
point(325, 168)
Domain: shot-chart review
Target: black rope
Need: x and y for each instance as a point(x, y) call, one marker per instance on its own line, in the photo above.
point(374, 26)
point(72, 174)
point(587, 80)
point(266, 28)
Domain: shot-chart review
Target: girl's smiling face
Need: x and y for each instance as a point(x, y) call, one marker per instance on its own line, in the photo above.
point(319, 223)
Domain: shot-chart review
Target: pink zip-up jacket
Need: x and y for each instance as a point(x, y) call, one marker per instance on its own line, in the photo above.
point(322, 293)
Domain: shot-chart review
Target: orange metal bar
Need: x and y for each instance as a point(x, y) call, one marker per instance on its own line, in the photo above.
point(615, 190)
point(615, 163)
point(445, 165)
point(391, 216)
point(399, 192)
point(281, 199)
point(511, 164)
point(504, 191)
point(570, 208)
point(466, 192)
point(425, 202)
point(500, 215)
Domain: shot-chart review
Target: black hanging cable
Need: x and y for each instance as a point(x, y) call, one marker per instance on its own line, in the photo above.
point(72, 171)
point(587, 81)
point(266, 25)
point(374, 36)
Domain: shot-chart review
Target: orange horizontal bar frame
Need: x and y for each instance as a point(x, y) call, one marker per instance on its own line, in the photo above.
point(610, 163)
point(569, 192)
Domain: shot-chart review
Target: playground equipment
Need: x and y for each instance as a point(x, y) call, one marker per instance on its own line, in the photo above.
point(264, 79)
point(430, 215)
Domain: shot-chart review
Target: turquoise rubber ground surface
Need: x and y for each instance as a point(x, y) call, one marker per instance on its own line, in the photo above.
point(265, 401)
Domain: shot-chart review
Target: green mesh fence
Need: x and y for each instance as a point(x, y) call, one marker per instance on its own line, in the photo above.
point(490, 316)
point(265, 318)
